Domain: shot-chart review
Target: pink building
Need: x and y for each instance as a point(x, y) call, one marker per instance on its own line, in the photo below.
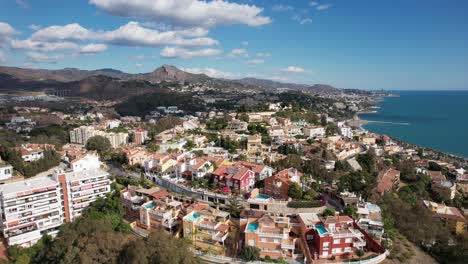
point(234, 177)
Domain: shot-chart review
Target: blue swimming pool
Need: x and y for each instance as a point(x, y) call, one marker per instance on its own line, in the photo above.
point(262, 196)
point(321, 229)
point(193, 216)
point(150, 206)
point(252, 227)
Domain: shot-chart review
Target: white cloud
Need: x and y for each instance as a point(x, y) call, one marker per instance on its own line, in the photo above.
point(305, 21)
point(281, 8)
point(92, 48)
point(294, 69)
point(132, 34)
point(313, 3)
point(34, 27)
point(263, 54)
point(255, 61)
point(139, 65)
point(244, 43)
point(38, 57)
point(238, 52)
point(178, 52)
point(6, 31)
point(212, 72)
point(323, 7)
point(186, 12)
point(70, 32)
point(29, 44)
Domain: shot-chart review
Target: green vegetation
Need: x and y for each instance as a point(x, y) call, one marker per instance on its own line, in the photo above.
point(57, 135)
point(295, 191)
point(162, 124)
point(304, 204)
point(29, 169)
point(102, 236)
point(250, 253)
point(99, 143)
point(141, 105)
point(328, 212)
point(217, 123)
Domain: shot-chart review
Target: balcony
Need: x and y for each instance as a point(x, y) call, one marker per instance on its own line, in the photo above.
point(220, 237)
point(359, 244)
point(288, 246)
point(274, 235)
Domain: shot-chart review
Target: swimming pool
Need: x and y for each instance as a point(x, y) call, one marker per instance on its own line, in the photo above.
point(252, 227)
point(321, 229)
point(193, 216)
point(150, 206)
point(262, 196)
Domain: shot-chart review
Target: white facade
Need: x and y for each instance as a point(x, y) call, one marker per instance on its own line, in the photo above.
point(81, 188)
point(314, 132)
point(88, 162)
point(346, 131)
point(30, 209)
point(80, 135)
point(111, 124)
point(6, 171)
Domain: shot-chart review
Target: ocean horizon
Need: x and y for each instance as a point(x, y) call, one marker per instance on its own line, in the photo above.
point(434, 119)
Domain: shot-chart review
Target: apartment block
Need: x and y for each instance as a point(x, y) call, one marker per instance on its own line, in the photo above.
point(80, 188)
point(207, 228)
point(273, 235)
point(161, 215)
point(6, 171)
point(30, 209)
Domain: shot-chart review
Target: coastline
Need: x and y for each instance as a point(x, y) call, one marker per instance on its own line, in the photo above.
point(357, 122)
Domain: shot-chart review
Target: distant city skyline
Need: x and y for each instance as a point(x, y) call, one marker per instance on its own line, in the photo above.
point(363, 44)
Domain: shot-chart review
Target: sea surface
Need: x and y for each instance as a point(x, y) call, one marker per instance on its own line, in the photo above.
point(433, 119)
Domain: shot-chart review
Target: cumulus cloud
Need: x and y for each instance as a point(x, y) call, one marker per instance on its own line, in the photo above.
point(70, 32)
point(38, 57)
point(133, 34)
point(186, 12)
point(212, 72)
point(6, 31)
point(178, 52)
point(255, 61)
point(238, 52)
point(294, 69)
point(32, 45)
point(92, 48)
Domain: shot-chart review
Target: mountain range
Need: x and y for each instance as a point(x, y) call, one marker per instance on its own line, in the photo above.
point(102, 81)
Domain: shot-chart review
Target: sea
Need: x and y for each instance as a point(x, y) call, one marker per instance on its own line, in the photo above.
point(433, 119)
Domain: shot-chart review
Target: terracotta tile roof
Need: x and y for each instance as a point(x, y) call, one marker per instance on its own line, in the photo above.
point(222, 228)
point(160, 194)
point(386, 179)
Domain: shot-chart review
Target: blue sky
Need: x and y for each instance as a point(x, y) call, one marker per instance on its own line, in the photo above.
point(368, 44)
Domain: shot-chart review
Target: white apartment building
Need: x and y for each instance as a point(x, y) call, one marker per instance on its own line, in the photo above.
point(81, 188)
point(34, 207)
point(30, 209)
point(346, 131)
point(314, 132)
point(80, 135)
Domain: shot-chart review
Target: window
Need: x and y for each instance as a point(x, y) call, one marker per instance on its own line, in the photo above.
point(336, 241)
point(348, 249)
point(349, 240)
point(251, 243)
point(264, 239)
point(276, 240)
point(310, 237)
point(336, 250)
point(325, 245)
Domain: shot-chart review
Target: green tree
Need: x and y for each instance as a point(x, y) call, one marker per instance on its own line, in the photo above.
point(99, 143)
point(189, 145)
point(328, 212)
point(350, 210)
point(295, 191)
point(250, 253)
point(234, 207)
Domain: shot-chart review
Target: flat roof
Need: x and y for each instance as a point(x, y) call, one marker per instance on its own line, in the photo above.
point(84, 174)
point(309, 218)
point(26, 185)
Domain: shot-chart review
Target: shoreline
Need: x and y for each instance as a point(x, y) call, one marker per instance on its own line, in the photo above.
point(357, 122)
